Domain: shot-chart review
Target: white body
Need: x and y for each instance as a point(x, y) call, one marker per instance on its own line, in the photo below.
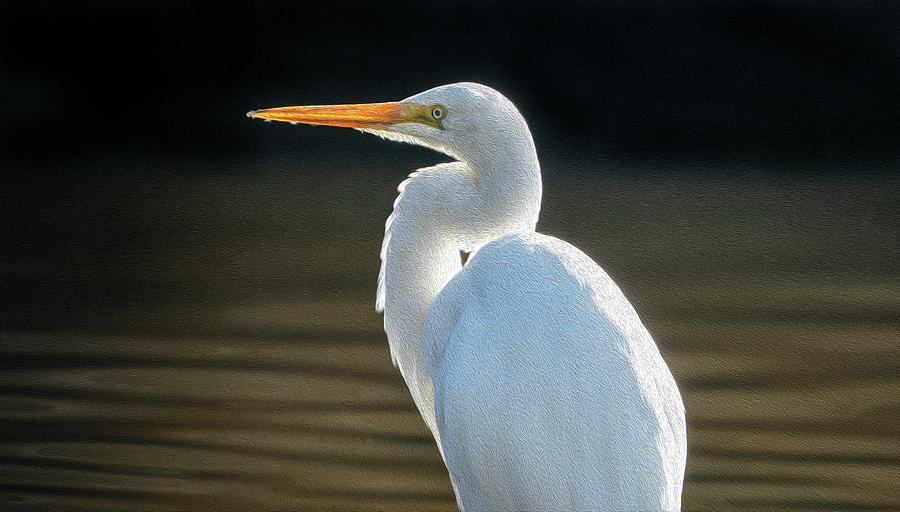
point(542, 388)
point(549, 392)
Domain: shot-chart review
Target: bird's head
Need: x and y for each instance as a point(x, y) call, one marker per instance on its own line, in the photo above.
point(460, 120)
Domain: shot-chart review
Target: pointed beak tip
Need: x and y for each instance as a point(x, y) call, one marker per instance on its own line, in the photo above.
point(251, 114)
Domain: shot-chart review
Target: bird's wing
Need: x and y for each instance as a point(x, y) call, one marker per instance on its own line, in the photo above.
point(549, 392)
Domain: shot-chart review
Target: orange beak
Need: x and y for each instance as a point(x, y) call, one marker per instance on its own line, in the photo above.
point(378, 116)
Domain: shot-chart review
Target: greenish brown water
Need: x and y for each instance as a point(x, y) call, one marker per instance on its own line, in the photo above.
point(211, 343)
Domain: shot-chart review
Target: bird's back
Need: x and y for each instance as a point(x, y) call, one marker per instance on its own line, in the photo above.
point(549, 392)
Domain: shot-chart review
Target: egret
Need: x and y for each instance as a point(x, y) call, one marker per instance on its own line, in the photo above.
point(540, 384)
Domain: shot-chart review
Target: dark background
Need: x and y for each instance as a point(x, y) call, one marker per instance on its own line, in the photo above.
point(95, 84)
point(186, 314)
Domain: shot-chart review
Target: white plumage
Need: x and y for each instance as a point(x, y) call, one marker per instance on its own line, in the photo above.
point(542, 387)
point(549, 393)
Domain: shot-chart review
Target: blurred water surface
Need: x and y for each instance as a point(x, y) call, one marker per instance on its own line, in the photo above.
point(202, 341)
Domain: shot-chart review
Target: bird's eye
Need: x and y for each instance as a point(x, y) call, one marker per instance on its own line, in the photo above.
point(437, 112)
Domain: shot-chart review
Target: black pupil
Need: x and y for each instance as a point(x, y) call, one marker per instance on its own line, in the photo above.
point(437, 112)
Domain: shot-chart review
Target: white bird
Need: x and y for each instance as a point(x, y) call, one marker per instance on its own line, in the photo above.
point(543, 389)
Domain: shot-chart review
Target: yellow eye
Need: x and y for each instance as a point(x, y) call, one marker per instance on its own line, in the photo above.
point(437, 112)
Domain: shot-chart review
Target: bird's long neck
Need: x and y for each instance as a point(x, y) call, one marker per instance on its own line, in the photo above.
point(417, 261)
point(442, 210)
